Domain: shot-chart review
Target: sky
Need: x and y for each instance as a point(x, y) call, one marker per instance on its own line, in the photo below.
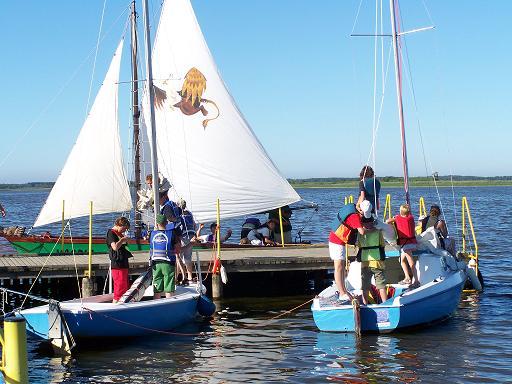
point(305, 86)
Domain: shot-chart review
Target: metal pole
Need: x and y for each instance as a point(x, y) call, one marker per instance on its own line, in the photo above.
point(89, 273)
point(151, 93)
point(135, 116)
point(281, 226)
point(399, 98)
point(62, 230)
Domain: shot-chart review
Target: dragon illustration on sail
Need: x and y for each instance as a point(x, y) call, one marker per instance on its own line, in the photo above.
point(191, 94)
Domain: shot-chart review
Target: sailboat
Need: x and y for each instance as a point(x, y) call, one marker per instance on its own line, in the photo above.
point(206, 148)
point(441, 275)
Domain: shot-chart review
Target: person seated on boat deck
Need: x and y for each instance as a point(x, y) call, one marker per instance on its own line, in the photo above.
point(119, 255)
point(369, 187)
point(286, 213)
point(164, 245)
point(263, 235)
point(337, 248)
point(371, 254)
point(434, 220)
point(404, 223)
point(212, 236)
point(188, 230)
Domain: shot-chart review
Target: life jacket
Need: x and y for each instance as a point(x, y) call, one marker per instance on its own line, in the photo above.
point(210, 238)
point(372, 189)
point(370, 246)
point(176, 211)
point(343, 231)
point(249, 224)
point(187, 223)
point(161, 245)
point(405, 230)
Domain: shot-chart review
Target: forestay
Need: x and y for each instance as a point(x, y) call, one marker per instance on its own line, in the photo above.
point(205, 146)
point(94, 170)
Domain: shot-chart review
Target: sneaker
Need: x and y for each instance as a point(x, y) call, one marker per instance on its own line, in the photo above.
point(343, 298)
point(405, 282)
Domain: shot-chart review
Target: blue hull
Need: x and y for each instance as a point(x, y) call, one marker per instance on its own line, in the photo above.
point(413, 310)
point(116, 320)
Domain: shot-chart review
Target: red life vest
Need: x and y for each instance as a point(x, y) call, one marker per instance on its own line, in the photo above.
point(405, 230)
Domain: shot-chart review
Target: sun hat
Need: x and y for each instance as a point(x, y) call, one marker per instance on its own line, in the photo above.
point(366, 208)
point(164, 185)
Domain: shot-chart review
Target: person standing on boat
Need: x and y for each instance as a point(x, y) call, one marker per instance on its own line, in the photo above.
point(369, 187)
point(168, 208)
point(372, 255)
point(164, 245)
point(2, 210)
point(338, 239)
point(286, 213)
point(119, 255)
point(188, 229)
point(404, 223)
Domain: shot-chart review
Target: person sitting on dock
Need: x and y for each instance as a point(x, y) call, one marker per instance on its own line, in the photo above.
point(212, 236)
point(188, 233)
point(164, 245)
point(286, 213)
point(264, 235)
point(404, 223)
point(372, 256)
point(119, 255)
point(346, 225)
point(369, 187)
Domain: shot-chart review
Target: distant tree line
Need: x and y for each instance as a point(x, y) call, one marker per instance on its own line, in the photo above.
point(398, 179)
point(34, 184)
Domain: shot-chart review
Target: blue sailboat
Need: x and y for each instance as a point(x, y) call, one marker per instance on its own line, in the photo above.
point(441, 276)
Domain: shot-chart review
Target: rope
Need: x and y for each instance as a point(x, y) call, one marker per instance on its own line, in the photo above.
point(250, 326)
point(74, 261)
point(95, 57)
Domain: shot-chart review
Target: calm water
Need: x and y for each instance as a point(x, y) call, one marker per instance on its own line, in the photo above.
point(240, 345)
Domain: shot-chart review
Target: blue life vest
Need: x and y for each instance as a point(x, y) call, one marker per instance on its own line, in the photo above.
point(187, 223)
point(371, 192)
point(176, 211)
point(160, 245)
point(342, 215)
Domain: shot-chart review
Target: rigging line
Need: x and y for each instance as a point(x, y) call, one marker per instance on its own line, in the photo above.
point(457, 230)
point(374, 107)
point(54, 99)
point(44, 265)
point(357, 16)
point(74, 261)
point(95, 57)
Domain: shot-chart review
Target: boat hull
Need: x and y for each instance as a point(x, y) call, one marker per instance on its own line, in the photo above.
point(88, 320)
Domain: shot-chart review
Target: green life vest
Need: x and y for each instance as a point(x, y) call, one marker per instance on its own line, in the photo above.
point(370, 246)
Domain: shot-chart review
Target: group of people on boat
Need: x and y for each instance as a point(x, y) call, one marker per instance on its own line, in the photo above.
point(357, 224)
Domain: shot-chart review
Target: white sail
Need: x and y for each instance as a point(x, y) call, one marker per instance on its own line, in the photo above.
point(206, 159)
point(94, 170)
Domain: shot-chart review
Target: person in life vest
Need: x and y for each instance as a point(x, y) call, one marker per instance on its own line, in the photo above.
point(168, 208)
point(337, 247)
point(369, 187)
point(188, 233)
point(264, 235)
point(212, 236)
point(119, 255)
point(372, 256)
point(164, 245)
point(434, 220)
point(404, 223)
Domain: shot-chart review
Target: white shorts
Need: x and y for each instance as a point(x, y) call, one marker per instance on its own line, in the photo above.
point(336, 251)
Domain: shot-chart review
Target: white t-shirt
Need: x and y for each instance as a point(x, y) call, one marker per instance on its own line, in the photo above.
point(264, 231)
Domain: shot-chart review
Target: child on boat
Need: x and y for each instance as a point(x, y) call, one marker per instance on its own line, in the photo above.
point(371, 255)
point(404, 223)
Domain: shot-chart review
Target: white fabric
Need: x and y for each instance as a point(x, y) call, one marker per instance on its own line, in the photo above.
point(223, 160)
point(264, 231)
point(94, 169)
point(336, 251)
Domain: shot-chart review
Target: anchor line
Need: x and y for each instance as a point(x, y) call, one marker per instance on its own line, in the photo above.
point(219, 332)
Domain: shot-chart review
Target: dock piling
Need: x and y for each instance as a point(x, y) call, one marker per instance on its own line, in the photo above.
point(216, 286)
point(14, 351)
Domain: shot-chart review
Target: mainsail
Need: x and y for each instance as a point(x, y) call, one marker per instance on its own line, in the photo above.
point(205, 146)
point(94, 170)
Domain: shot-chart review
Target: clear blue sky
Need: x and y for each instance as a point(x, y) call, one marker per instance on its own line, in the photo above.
point(303, 84)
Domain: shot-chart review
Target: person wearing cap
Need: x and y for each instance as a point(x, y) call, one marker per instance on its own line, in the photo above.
point(371, 254)
point(369, 187)
point(264, 235)
point(168, 208)
point(164, 245)
point(119, 255)
point(337, 249)
point(188, 230)
point(212, 236)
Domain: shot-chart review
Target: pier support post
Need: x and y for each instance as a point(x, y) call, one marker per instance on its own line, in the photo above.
point(14, 351)
point(216, 286)
point(88, 287)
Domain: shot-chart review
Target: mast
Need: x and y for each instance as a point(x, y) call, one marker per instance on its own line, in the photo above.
point(151, 95)
point(135, 116)
point(398, 79)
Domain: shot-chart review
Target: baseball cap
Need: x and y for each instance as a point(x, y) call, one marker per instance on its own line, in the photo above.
point(366, 208)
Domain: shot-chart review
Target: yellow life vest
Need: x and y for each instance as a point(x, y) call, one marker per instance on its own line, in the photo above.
point(371, 246)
